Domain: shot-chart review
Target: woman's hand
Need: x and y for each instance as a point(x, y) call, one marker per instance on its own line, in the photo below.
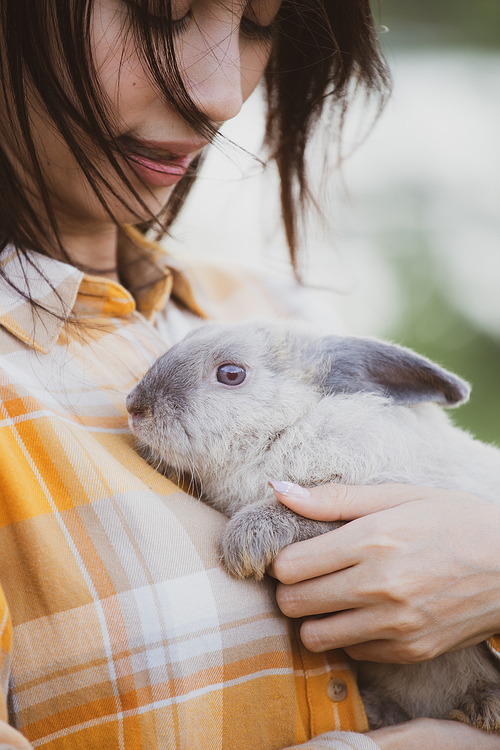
point(415, 573)
point(432, 734)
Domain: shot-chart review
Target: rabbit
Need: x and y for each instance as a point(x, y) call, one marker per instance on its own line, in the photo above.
point(230, 406)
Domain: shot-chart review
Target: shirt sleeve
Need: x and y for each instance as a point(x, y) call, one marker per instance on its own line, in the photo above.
point(339, 741)
point(494, 645)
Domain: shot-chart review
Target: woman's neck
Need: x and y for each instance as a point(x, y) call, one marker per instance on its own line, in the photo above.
point(95, 252)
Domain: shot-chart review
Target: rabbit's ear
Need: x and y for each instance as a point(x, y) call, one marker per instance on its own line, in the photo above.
point(358, 364)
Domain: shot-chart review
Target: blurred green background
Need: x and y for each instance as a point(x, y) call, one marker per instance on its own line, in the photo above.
point(435, 327)
point(430, 321)
point(410, 246)
point(469, 23)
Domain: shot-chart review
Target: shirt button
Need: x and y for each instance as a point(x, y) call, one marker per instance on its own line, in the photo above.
point(336, 689)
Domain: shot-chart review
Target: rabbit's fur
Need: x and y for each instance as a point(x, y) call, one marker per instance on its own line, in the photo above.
point(312, 411)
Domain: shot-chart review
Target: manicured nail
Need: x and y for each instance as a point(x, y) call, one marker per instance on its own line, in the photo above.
point(289, 489)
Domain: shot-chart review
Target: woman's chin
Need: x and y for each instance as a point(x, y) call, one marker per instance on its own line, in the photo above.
point(154, 202)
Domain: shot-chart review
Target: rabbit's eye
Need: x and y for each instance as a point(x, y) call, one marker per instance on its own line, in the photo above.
point(231, 374)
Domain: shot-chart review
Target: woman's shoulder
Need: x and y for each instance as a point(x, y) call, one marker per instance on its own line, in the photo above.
point(229, 292)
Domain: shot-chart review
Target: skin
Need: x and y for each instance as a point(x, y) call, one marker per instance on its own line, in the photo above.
point(12, 740)
point(427, 734)
point(401, 590)
point(221, 68)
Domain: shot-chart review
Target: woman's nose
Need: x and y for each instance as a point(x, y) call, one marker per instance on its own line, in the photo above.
point(212, 76)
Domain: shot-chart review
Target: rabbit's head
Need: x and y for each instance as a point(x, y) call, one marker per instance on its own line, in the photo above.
point(225, 396)
point(222, 387)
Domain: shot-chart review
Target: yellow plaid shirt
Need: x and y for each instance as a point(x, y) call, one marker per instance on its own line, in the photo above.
point(119, 628)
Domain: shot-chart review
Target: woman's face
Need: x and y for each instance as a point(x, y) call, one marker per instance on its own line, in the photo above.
point(222, 48)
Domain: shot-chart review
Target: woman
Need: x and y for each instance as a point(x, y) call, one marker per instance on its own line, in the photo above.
point(123, 630)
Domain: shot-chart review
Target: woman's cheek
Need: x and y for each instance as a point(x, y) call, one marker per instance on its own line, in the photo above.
point(254, 59)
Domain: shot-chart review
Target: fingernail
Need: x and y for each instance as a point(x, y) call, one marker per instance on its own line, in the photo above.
point(289, 489)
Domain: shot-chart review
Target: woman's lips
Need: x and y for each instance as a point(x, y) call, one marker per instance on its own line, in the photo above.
point(158, 165)
point(158, 173)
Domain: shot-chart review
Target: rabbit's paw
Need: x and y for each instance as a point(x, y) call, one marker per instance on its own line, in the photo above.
point(253, 538)
point(480, 708)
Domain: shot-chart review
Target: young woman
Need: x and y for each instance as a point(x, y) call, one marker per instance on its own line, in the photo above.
point(118, 627)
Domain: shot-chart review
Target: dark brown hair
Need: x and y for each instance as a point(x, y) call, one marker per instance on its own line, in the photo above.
point(321, 49)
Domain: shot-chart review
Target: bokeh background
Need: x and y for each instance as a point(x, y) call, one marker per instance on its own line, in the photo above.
point(409, 246)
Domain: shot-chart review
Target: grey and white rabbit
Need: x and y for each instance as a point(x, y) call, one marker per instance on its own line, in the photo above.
point(229, 407)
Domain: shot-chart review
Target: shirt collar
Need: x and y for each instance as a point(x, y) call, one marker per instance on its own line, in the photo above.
point(59, 290)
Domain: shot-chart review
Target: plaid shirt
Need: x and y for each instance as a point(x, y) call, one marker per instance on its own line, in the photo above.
point(122, 630)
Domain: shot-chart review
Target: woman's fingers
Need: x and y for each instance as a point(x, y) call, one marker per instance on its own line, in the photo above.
point(345, 502)
point(370, 537)
point(355, 633)
point(314, 597)
point(366, 635)
point(405, 583)
point(315, 557)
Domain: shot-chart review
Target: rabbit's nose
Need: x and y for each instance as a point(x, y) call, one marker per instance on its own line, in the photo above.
point(137, 413)
point(135, 407)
